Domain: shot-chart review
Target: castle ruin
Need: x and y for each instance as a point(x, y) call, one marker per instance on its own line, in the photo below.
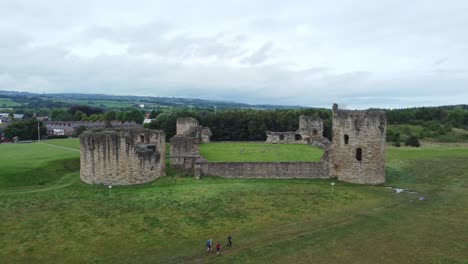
point(356, 153)
point(122, 156)
point(136, 155)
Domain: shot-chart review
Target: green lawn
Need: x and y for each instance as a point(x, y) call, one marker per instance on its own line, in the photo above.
point(271, 221)
point(244, 152)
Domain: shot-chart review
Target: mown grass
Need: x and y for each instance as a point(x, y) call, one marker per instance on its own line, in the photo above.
point(73, 143)
point(271, 221)
point(255, 152)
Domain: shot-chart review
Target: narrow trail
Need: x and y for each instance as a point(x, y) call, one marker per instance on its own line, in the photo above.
point(59, 146)
point(65, 181)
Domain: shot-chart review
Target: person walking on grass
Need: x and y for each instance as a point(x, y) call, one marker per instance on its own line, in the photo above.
point(208, 246)
point(229, 243)
point(218, 248)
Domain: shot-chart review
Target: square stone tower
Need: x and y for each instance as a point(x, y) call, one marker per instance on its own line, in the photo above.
point(358, 146)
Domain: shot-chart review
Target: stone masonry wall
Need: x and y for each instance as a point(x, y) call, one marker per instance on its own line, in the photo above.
point(310, 131)
point(122, 156)
point(358, 146)
point(278, 170)
point(183, 152)
point(311, 126)
point(262, 169)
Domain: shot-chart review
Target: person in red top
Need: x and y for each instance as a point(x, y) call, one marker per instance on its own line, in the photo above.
point(218, 248)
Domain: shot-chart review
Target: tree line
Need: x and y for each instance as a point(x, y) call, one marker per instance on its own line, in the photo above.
point(252, 124)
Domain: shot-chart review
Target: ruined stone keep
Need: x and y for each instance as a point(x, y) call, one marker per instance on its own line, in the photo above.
point(358, 146)
point(122, 156)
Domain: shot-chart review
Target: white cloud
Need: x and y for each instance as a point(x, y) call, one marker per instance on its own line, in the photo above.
point(359, 53)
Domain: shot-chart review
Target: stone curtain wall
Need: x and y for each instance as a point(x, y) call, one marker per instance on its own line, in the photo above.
point(262, 169)
point(358, 146)
point(122, 156)
point(284, 138)
point(277, 170)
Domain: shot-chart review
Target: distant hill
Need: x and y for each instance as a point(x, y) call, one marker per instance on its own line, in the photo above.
point(34, 100)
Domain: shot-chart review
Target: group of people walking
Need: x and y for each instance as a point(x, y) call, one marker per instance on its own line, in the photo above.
point(209, 245)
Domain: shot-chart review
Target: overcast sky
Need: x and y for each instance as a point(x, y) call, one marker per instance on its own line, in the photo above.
point(364, 53)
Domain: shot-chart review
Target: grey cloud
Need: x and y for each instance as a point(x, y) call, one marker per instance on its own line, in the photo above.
point(259, 56)
point(386, 53)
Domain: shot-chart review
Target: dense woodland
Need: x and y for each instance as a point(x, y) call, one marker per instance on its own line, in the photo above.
point(250, 125)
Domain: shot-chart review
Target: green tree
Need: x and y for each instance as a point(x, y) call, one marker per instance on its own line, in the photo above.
point(110, 116)
point(153, 114)
point(412, 141)
point(25, 130)
point(78, 115)
point(61, 115)
point(133, 115)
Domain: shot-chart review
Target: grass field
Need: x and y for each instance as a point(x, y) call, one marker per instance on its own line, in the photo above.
point(271, 221)
point(8, 102)
point(221, 152)
point(111, 104)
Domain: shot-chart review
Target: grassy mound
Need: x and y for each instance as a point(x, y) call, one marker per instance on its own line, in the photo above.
point(35, 164)
point(256, 152)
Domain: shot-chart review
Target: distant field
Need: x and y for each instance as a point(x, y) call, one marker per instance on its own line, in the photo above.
point(113, 104)
point(245, 152)
point(8, 102)
point(47, 214)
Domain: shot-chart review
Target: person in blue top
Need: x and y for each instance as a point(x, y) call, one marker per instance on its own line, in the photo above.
point(208, 246)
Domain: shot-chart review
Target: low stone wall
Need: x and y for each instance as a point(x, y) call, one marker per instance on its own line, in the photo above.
point(262, 169)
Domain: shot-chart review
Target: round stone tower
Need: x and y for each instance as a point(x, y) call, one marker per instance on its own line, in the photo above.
point(122, 156)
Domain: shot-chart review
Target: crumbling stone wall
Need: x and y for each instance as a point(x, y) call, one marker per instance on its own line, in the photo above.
point(276, 170)
point(183, 152)
point(185, 125)
point(358, 146)
point(188, 126)
point(122, 156)
point(205, 135)
point(310, 126)
point(184, 145)
point(310, 132)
